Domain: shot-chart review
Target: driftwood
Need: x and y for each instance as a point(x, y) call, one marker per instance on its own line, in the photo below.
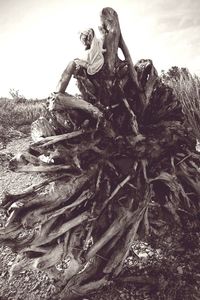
point(126, 150)
point(62, 102)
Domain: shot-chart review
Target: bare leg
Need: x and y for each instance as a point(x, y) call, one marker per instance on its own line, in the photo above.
point(66, 76)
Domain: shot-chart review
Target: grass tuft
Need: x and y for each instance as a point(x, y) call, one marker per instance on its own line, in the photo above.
point(18, 115)
point(187, 89)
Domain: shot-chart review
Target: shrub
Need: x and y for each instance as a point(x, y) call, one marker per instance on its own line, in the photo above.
point(187, 89)
point(14, 114)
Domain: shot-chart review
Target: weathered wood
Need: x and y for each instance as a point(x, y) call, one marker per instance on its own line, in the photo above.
point(64, 228)
point(133, 121)
point(50, 258)
point(113, 40)
point(65, 101)
point(111, 31)
point(40, 129)
point(57, 138)
point(147, 77)
point(44, 169)
point(10, 198)
point(132, 71)
point(85, 195)
point(113, 230)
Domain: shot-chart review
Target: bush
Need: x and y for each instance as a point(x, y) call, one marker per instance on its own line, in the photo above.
point(15, 114)
point(15, 94)
point(187, 89)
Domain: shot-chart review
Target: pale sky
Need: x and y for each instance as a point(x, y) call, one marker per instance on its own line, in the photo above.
point(39, 37)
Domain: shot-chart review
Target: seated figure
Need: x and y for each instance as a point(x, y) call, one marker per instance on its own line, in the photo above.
point(92, 62)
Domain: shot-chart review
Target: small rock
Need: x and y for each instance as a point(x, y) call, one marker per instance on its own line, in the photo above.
point(180, 270)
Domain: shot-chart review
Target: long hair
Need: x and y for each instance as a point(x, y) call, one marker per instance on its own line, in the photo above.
point(87, 36)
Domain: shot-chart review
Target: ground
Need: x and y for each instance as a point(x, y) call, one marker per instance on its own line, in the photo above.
point(26, 285)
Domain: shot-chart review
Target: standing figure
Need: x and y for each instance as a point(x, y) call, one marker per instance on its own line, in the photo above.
point(92, 62)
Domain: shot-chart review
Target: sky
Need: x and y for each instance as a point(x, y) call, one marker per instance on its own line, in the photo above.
point(39, 37)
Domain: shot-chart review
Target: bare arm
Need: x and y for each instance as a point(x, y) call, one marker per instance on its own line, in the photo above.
point(81, 62)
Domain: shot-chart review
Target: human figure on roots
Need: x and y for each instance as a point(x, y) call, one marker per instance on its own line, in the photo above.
point(92, 62)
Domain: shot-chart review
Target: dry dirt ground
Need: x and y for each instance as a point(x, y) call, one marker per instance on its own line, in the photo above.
point(36, 285)
point(28, 284)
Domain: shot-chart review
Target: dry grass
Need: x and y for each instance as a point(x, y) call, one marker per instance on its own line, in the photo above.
point(17, 115)
point(187, 89)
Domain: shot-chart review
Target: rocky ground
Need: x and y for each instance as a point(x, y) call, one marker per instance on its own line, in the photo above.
point(154, 270)
point(28, 284)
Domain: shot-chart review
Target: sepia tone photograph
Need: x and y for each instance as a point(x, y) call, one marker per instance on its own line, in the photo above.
point(99, 150)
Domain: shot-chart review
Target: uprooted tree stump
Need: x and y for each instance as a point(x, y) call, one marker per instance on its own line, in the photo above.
point(123, 159)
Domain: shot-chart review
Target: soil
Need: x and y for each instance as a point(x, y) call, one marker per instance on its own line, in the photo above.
point(28, 284)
